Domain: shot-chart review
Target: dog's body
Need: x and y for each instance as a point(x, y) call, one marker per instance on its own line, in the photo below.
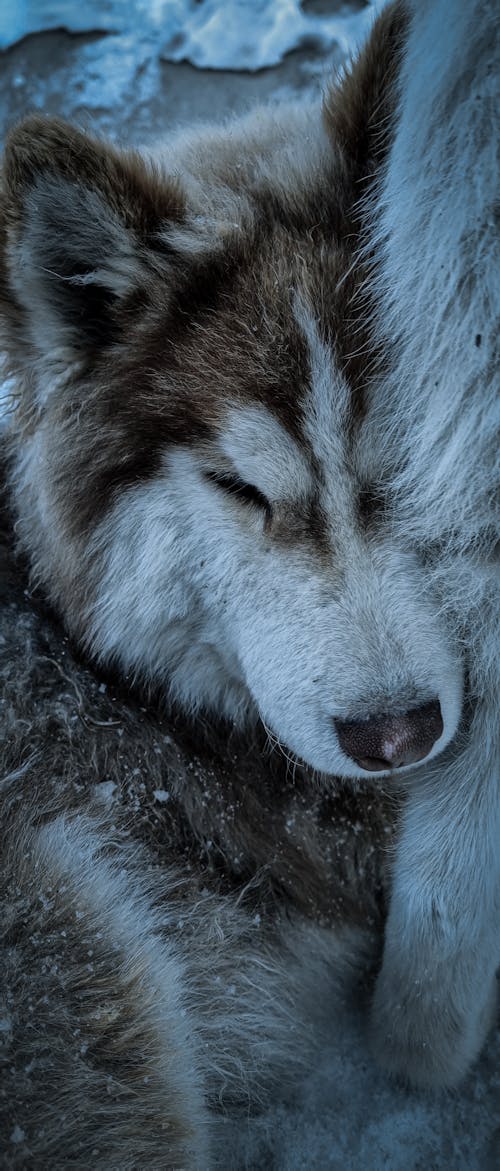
point(196, 472)
point(175, 907)
point(432, 431)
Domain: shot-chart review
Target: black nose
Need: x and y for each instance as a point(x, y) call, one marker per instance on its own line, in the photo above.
point(388, 742)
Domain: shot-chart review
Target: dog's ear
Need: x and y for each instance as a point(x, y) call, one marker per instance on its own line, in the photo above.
point(81, 225)
point(357, 109)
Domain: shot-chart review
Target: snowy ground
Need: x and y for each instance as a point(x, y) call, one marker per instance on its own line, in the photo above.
point(349, 1116)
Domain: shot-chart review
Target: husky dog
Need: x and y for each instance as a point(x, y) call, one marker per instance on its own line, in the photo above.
point(176, 900)
point(199, 487)
point(431, 438)
point(172, 907)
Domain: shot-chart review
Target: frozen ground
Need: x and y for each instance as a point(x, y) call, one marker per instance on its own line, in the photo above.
point(215, 34)
point(348, 1115)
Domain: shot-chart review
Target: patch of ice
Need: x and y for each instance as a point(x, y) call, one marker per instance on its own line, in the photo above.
point(236, 34)
point(19, 18)
point(110, 66)
point(351, 1116)
point(211, 34)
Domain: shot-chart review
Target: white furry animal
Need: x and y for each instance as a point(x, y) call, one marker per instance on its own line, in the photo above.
point(431, 437)
point(200, 486)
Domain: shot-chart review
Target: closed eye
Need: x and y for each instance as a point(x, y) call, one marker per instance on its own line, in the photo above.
point(247, 493)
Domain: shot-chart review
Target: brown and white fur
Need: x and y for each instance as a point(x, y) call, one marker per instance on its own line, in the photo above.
point(197, 490)
point(175, 902)
point(187, 483)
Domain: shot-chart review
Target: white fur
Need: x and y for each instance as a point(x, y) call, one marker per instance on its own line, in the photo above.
point(75, 853)
point(327, 415)
point(193, 592)
point(433, 431)
point(215, 1007)
point(264, 454)
point(187, 586)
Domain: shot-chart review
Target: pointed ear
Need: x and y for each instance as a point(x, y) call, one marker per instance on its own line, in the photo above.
point(80, 222)
point(357, 109)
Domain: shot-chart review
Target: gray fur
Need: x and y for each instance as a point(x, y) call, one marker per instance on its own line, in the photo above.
point(162, 961)
point(226, 869)
point(431, 437)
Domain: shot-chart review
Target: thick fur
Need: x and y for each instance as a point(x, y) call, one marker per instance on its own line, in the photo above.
point(175, 904)
point(431, 436)
point(199, 488)
point(174, 367)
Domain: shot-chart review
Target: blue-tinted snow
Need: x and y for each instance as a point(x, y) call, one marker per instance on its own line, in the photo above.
point(213, 34)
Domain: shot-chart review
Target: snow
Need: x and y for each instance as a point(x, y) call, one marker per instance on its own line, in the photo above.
point(237, 35)
point(214, 34)
point(350, 1117)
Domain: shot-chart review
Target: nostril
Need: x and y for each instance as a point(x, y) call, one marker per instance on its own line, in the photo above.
point(385, 741)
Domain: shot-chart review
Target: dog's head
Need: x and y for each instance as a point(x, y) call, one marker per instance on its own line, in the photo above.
point(188, 474)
